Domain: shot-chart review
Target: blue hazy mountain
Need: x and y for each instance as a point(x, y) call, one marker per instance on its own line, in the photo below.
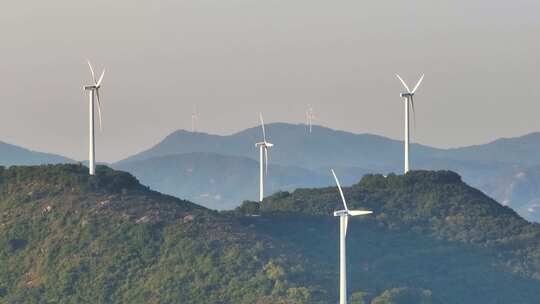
point(520, 189)
point(11, 155)
point(483, 166)
point(521, 150)
point(322, 148)
point(327, 147)
point(222, 181)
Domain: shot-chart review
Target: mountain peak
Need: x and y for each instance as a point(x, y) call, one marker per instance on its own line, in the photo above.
point(68, 176)
point(410, 199)
point(411, 179)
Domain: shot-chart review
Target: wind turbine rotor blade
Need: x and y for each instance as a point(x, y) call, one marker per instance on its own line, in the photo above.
point(99, 109)
point(92, 71)
point(262, 125)
point(403, 83)
point(100, 78)
point(359, 212)
point(340, 190)
point(418, 84)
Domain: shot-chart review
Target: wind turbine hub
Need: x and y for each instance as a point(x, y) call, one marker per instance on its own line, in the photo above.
point(341, 213)
point(264, 144)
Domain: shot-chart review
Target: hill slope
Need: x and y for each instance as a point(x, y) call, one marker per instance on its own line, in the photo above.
point(430, 231)
point(522, 150)
point(66, 237)
point(519, 188)
point(69, 238)
point(11, 155)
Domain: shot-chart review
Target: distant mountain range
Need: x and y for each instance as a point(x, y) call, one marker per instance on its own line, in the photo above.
point(13, 155)
point(308, 157)
point(322, 148)
point(521, 150)
point(520, 189)
point(221, 171)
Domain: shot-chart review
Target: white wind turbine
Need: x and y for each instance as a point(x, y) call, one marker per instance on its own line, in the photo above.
point(409, 105)
point(194, 120)
point(93, 91)
point(310, 115)
point(263, 159)
point(343, 221)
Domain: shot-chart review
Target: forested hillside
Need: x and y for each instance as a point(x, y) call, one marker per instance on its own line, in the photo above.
point(66, 237)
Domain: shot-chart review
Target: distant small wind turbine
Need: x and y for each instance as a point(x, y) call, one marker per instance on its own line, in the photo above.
point(343, 221)
point(310, 116)
point(194, 120)
point(263, 159)
point(409, 105)
point(93, 91)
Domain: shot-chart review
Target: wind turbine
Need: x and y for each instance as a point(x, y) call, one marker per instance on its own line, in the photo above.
point(93, 91)
point(263, 159)
point(309, 118)
point(343, 221)
point(409, 105)
point(194, 120)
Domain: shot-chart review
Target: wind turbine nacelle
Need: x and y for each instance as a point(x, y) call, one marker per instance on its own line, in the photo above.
point(89, 87)
point(264, 144)
point(341, 213)
point(406, 95)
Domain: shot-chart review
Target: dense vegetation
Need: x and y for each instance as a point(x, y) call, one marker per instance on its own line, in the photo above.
point(66, 237)
point(430, 232)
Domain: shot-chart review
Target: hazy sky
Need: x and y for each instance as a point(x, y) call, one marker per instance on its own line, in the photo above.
point(234, 58)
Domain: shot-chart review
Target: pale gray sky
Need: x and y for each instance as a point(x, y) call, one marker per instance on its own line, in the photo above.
point(238, 57)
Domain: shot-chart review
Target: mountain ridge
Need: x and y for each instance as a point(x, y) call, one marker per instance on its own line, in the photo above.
point(283, 135)
point(15, 155)
point(301, 129)
point(358, 154)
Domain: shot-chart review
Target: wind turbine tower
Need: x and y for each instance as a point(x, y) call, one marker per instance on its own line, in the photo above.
point(343, 221)
point(194, 120)
point(310, 116)
point(93, 92)
point(263, 159)
point(409, 106)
